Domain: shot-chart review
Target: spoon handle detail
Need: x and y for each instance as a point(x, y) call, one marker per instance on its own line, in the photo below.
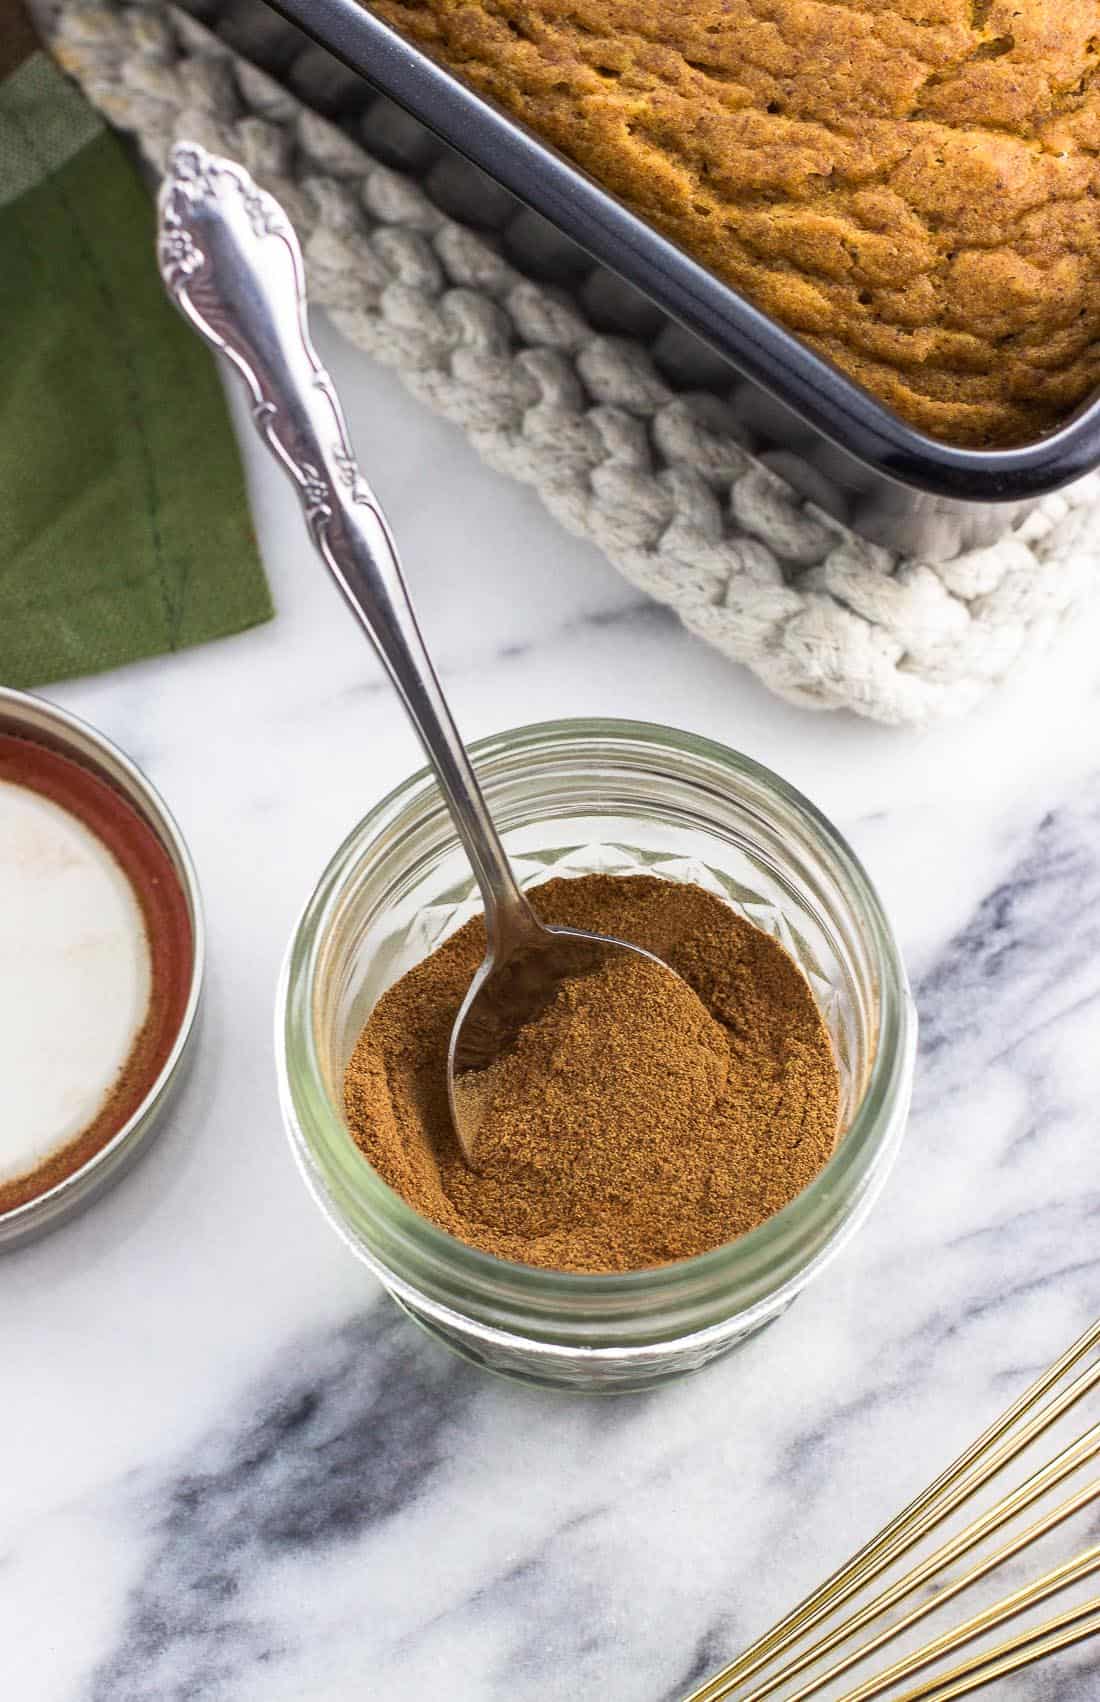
point(231, 262)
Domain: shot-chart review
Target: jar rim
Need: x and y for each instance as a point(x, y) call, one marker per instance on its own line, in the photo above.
point(304, 1090)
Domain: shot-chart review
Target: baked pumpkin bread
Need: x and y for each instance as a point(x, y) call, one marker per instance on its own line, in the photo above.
point(911, 185)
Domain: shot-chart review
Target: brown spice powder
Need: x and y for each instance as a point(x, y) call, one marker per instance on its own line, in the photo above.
point(632, 1122)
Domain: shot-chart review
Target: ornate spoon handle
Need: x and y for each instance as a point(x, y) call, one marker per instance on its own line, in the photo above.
point(231, 262)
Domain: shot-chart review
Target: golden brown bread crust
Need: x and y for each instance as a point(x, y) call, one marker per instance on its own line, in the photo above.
point(912, 185)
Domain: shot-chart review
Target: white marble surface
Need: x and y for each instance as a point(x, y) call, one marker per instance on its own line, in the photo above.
point(232, 1471)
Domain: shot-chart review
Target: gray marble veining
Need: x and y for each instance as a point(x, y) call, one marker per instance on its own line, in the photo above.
point(234, 1471)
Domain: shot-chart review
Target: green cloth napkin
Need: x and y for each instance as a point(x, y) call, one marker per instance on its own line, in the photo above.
point(124, 526)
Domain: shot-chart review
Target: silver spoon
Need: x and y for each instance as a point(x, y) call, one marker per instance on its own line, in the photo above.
point(231, 262)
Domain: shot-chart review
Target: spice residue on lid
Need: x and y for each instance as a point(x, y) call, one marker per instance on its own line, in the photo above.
point(95, 963)
point(632, 1122)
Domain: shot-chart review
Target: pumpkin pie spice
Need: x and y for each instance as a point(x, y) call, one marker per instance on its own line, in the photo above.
point(633, 1121)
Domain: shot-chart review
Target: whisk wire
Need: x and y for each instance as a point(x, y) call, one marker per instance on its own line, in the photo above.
point(955, 1587)
point(1009, 1607)
point(1019, 1652)
point(875, 1555)
point(1010, 1507)
point(1025, 1421)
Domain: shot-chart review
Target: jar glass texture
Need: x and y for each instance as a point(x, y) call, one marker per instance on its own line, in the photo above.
point(571, 798)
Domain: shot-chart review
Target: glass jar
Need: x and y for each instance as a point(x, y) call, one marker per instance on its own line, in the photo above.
point(570, 798)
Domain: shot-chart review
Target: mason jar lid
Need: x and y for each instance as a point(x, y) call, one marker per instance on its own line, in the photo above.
point(91, 803)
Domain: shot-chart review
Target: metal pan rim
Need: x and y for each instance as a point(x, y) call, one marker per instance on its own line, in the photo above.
point(758, 346)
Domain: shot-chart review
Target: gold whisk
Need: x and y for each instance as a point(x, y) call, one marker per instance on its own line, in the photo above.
point(811, 1632)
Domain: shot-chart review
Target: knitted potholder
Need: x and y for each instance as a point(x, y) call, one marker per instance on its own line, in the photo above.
point(646, 444)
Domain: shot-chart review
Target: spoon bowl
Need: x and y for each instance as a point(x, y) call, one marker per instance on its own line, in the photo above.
point(511, 988)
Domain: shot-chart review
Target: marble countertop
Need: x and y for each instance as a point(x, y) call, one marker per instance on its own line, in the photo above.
point(233, 1471)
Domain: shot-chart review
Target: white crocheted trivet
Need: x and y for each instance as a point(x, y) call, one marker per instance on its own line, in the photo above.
point(744, 547)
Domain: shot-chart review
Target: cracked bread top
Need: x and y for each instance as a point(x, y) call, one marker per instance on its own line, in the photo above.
point(911, 185)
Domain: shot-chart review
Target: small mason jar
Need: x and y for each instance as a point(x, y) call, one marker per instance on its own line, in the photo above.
point(572, 798)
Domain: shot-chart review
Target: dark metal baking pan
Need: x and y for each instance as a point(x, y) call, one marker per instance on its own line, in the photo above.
point(921, 476)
